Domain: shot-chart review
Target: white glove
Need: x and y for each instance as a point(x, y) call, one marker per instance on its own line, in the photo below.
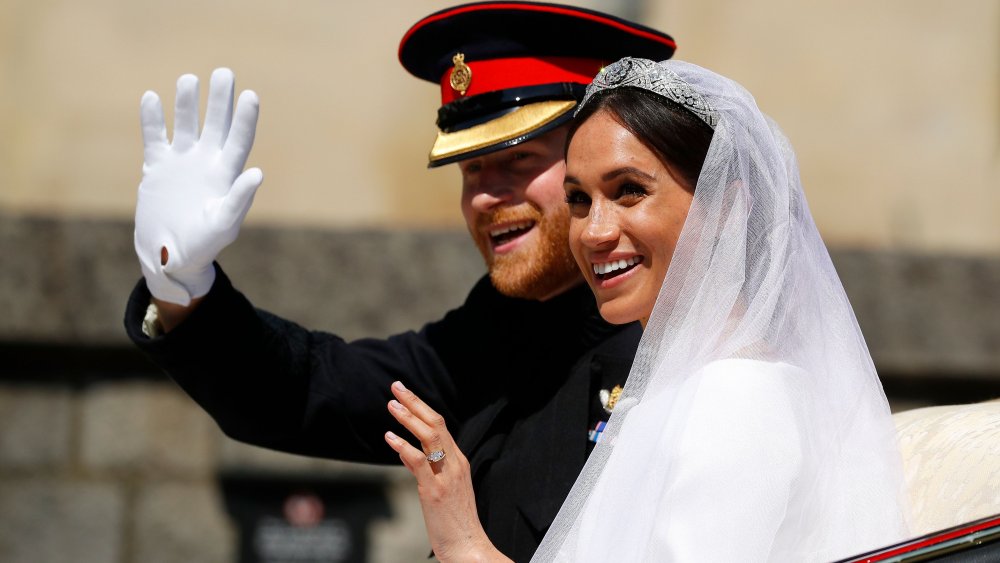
point(194, 193)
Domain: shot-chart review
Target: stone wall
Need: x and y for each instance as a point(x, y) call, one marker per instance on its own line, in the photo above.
point(103, 459)
point(128, 471)
point(65, 281)
point(91, 474)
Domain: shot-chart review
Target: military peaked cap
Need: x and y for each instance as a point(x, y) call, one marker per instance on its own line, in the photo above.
point(511, 71)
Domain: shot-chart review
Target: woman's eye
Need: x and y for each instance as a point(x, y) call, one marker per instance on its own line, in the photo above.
point(577, 197)
point(631, 190)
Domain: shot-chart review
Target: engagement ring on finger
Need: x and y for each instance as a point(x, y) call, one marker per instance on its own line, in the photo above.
point(436, 455)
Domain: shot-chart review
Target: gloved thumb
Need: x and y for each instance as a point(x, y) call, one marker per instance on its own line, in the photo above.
point(236, 203)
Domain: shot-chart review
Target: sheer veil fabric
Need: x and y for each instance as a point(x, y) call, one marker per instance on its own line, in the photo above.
point(753, 426)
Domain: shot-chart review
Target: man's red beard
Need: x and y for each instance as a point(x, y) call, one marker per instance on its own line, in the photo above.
point(538, 268)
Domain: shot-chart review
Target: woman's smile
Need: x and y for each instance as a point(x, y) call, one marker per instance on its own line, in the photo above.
point(610, 274)
point(613, 268)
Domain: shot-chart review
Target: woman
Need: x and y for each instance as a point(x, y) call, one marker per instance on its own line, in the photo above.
point(753, 426)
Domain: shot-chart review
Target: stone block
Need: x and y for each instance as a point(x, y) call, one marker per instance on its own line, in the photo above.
point(65, 277)
point(182, 522)
point(144, 426)
point(926, 314)
point(35, 427)
point(357, 283)
point(403, 536)
point(47, 521)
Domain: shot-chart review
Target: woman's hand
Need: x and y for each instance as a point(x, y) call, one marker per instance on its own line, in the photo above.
point(444, 486)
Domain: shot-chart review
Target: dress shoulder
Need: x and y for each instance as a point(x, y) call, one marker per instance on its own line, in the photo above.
point(743, 386)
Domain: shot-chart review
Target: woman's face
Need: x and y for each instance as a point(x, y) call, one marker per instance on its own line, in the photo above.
point(626, 214)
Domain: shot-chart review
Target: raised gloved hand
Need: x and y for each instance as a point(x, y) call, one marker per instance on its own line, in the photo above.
point(194, 192)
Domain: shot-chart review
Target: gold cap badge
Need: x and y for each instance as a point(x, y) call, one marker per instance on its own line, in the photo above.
point(461, 74)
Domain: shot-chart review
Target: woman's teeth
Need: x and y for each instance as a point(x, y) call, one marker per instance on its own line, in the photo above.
point(604, 268)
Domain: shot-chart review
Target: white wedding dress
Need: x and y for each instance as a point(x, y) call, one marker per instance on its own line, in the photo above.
point(753, 426)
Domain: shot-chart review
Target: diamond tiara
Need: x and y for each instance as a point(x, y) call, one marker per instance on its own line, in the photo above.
point(648, 75)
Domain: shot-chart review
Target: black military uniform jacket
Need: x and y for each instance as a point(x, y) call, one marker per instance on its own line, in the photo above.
point(515, 379)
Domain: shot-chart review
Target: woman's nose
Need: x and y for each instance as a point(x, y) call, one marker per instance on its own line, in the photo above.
point(601, 228)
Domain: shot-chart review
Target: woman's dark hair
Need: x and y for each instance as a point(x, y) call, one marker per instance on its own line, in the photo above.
point(678, 137)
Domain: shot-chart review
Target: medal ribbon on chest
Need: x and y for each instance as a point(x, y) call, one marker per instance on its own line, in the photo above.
point(608, 401)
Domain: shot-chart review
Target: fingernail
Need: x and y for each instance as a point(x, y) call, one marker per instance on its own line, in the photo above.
point(398, 385)
point(396, 405)
point(391, 436)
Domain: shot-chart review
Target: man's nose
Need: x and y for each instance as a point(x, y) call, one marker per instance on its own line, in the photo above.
point(490, 193)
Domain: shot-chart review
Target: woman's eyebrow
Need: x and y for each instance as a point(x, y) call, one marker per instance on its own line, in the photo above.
point(626, 170)
point(571, 180)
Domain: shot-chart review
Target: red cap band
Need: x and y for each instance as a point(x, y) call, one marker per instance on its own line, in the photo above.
point(500, 74)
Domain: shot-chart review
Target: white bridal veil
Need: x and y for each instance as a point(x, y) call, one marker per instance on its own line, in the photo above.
point(753, 426)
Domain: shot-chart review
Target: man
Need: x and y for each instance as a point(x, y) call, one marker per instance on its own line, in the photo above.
point(525, 371)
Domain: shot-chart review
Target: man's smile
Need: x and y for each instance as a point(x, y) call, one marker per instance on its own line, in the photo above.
point(504, 235)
